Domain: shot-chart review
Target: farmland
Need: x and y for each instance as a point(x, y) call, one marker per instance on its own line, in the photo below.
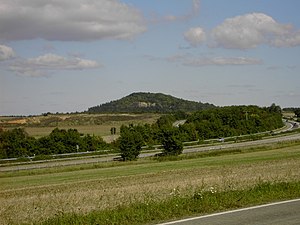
point(111, 192)
point(93, 124)
point(33, 196)
point(198, 126)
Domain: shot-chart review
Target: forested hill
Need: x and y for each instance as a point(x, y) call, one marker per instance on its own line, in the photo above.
point(149, 102)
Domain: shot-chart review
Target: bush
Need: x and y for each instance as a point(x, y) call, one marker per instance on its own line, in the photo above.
point(17, 143)
point(171, 142)
point(130, 143)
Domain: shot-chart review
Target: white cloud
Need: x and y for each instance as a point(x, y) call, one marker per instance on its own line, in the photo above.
point(222, 61)
point(289, 40)
point(6, 53)
point(250, 30)
point(64, 20)
point(46, 64)
point(190, 60)
point(173, 18)
point(195, 36)
point(246, 32)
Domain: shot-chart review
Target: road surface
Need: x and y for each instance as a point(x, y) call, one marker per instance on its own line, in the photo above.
point(107, 158)
point(245, 144)
point(280, 213)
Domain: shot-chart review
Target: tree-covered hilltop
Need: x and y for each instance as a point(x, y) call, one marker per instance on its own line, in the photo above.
point(149, 102)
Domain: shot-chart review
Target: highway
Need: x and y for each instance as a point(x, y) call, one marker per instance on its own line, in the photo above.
point(110, 157)
point(279, 213)
point(245, 144)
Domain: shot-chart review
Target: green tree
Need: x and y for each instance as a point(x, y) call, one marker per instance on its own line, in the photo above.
point(45, 146)
point(130, 142)
point(235, 120)
point(15, 143)
point(188, 132)
point(64, 141)
point(274, 108)
point(92, 143)
point(297, 112)
point(171, 142)
point(165, 121)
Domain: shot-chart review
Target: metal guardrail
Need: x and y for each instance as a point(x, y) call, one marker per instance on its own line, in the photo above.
point(292, 125)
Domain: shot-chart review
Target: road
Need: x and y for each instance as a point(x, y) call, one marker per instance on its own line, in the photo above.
point(107, 158)
point(245, 144)
point(280, 213)
point(56, 163)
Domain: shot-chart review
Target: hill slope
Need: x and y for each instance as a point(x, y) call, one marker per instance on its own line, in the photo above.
point(149, 102)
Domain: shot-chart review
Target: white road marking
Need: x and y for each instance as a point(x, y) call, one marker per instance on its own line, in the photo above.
point(229, 212)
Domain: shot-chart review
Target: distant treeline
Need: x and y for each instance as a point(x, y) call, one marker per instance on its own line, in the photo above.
point(234, 121)
point(17, 143)
point(295, 110)
point(215, 123)
point(149, 102)
point(211, 123)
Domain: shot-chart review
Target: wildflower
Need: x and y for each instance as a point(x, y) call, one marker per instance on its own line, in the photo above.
point(198, 195)
point(213, 190)
point(175, 192)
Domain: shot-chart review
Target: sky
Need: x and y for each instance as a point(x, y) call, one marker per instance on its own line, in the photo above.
point(67, 56)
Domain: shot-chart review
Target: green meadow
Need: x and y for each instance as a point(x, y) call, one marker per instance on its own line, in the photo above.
point(96, 192)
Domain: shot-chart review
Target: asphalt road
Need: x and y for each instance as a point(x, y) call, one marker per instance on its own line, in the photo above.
point(245, 144)
point(280, 213)
point(97, 159)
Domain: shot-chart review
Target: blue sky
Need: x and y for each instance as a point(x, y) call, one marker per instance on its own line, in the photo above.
point(66, 56)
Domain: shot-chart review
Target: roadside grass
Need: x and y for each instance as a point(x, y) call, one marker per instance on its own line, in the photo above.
point(196, 156)
point(114, 188)
point(289, 150)
point(222, 152)
point(200, 202)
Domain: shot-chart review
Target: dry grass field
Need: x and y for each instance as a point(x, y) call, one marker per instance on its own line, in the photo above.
point(93, 124)
point(290, 115)
point(28, 197)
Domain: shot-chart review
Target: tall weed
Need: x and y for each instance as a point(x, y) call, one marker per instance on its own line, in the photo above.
point(201, 201)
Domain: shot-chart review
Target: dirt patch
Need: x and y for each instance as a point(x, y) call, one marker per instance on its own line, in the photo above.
point(18, 121)
point(110, 138)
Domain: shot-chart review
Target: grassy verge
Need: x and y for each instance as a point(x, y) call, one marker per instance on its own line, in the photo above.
point(196, 155)
point(177, 206)
point(114, 188)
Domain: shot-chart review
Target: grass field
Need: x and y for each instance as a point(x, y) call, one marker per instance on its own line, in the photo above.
point(288, 114)
point(93, 124)
point(36, 195)
point(98, 130)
